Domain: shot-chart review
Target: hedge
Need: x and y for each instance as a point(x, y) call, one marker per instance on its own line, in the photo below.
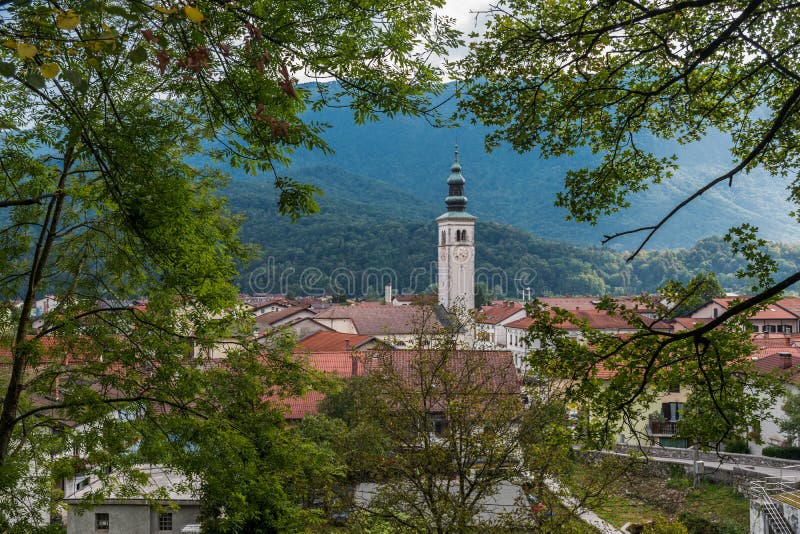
point(787, 453)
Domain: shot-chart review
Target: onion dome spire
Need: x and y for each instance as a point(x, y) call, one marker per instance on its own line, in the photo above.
point(456, 201)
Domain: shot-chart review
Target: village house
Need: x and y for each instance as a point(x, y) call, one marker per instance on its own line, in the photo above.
point(491, 323)
point(782, 317)
point(166, 504)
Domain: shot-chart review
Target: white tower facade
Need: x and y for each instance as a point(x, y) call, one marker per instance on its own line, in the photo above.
point(456, 275)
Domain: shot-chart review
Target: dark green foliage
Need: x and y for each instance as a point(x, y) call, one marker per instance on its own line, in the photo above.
point(697, 524)
point(359, 234)
point(520, 190)
point(787, 453)
point(737, 446)
point(700, 289)
point(790, 424)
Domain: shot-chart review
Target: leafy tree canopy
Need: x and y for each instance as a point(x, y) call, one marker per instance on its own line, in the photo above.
point(104, 105)
point(608, 76)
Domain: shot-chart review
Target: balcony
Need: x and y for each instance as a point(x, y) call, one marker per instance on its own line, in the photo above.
point(663, 428)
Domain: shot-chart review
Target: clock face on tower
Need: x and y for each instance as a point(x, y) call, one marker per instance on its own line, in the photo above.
point(461, 254)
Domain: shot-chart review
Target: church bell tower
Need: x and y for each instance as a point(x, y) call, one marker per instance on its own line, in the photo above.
point(456, 246)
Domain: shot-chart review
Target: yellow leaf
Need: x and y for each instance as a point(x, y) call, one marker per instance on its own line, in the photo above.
point(26, 50)
point(10, 43)
point(165, 10)
point(68, 20)
point(193, 14)
point(49, 70)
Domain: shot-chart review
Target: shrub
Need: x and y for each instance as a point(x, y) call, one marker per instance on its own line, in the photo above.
point(665, 527)
point(695, 523)
point(737, 446)
point(788, 453)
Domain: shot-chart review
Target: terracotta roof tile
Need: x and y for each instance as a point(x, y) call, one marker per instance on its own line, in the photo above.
point(333, 341)
point(500, 368)
point(383, 319)
point(271, 318)
point(601, 320)
point(766, 339)
point(772, 360)
point(498, 313)
point(569, 303)
point(773, 311)
point(791, 304)
point(602, 373)
point(523, 323)
point(598, 319)
point(690, 323)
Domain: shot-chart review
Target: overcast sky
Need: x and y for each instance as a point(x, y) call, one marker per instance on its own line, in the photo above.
point(460, 10)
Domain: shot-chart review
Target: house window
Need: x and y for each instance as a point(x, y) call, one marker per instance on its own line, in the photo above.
point(165, 522)
point(101, 521)
point(671, 410)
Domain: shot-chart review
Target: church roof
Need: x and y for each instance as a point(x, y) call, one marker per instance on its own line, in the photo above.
point(456, 201)
point(382, 319)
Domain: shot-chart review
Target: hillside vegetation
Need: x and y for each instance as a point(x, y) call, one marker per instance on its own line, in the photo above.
point(369, 234)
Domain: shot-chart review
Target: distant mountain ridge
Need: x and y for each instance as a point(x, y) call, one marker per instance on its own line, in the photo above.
point(364, 238)
point(385, 185)
point(411, 155)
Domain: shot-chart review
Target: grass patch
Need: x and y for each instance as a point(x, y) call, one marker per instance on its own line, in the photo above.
point(643, 493)
point(620, 509)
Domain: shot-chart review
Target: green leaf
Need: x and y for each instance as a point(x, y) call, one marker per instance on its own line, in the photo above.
point(72, 77)
point(75, 80)
point(121, 12)
point(138, 55)
point(35, 80)
point(7, 69)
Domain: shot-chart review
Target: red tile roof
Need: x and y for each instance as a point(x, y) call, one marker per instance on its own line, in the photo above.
point(766, 339)
point(791, 304)
point(569, 303)
point(690, 323)
point(340, 363)
point(773, 311)
point(270, 318)
point(383, 319)
point(602, 373)
point(333, 341)
point(598, 319)
point(497, 368)
point(523, 323)
point(771, 360)
point(498, 313)
point(421, 298)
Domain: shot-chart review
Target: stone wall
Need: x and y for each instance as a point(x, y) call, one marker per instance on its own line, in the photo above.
point(709, 458)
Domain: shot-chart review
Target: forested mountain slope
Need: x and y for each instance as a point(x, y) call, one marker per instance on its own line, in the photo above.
point(369, 233)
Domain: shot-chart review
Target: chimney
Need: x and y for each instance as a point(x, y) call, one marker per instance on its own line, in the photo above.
point(387, 291)
point(346, 344)
point(786, 360)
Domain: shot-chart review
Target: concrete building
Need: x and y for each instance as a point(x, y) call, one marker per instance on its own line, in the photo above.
point(125, 514)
